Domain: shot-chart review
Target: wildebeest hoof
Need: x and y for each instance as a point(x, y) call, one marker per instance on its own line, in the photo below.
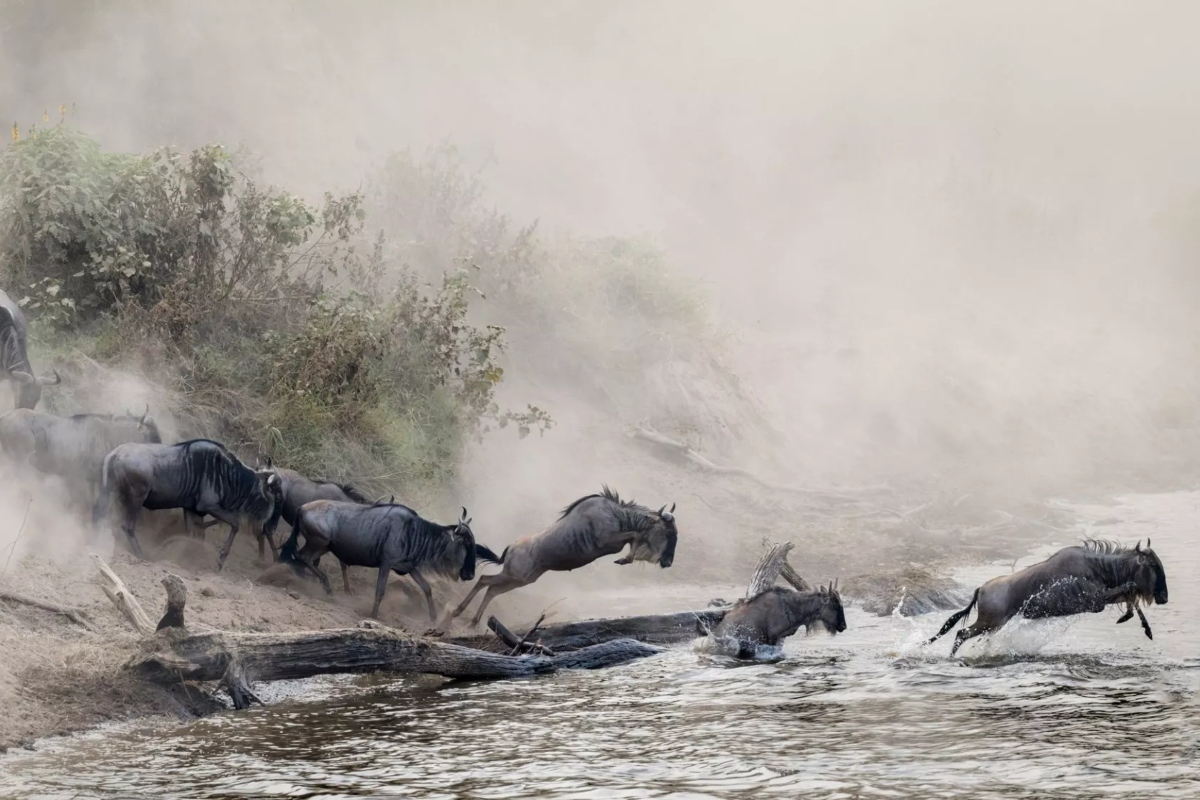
point(1128, 615)
point(625, 560)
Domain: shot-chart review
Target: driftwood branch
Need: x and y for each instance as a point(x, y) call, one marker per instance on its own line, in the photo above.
point(516, 644)
point(76, 615)
point(123, 599)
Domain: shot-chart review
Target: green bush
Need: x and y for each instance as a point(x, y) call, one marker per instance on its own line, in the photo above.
point(277, 322)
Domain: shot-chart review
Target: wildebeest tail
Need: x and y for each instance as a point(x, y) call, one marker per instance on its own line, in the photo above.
point(104, 496)
point(287, 553)
point(485, 553)
point(955, 617)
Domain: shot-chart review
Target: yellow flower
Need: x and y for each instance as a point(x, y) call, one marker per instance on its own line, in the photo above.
point(45, 116)
point(16, 133)
point(62, 111)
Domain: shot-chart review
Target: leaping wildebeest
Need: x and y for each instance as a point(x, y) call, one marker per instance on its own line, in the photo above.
point(199, 476)
point(592, 527)
point(1075, 580)
point(72, 448)
point(297, 489)
point(14, 356)
point(777, 613)
point(389, 536)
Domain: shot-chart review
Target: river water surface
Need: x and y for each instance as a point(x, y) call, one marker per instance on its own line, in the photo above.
point(1059, 709)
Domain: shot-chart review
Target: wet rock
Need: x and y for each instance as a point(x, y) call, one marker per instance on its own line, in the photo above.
point(915, 590)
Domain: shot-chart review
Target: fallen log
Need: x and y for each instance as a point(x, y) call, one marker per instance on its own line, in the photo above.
point(171, 654)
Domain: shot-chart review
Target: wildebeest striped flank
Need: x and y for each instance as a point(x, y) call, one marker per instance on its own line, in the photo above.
point(593, 526)
point(199, 476)
point(389, 536)
point(14, 356)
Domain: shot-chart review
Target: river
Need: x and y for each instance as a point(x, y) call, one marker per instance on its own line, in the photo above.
point(1061, 709)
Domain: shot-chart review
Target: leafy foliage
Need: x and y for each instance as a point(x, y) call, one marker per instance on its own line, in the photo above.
point(322, 340)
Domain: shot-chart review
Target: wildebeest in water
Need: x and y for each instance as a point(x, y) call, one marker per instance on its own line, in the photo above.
point(772, 616)
point(1075, 580)
point(14, 356)
point(199, 476)
point(73, 447)
point(592, 527)
point(389, 536)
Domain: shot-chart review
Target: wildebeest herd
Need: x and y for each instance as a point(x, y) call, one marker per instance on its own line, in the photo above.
point(108, 460)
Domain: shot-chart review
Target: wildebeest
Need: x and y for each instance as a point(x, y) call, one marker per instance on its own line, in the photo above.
point(199, 476)
point(389, 536)
point(73, 447)
point(14, 357)
point(1075, 580)
point(297, 489)
point(775, 614)
point(592, 527)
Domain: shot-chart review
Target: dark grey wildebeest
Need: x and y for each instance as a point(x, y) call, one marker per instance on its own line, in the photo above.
point(14, 357)
point(199, 476)
point(772, 616)
point(592, 527)
point(389, 536)
point(72, 448)
point(1075, 580)
point(298, 489)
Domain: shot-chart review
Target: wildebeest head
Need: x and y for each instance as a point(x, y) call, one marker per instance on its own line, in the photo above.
point(272, 492)
point(831, 615)
point(1149, 575)
point(29, 388)
point(147, 427)
point(656, 542)
point(465, 539)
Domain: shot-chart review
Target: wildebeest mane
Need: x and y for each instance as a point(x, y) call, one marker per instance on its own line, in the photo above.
point(1105, 547)
point(631, 515)
point(240, 481)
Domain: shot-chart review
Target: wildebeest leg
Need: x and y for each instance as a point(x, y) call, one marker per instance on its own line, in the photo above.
point(345, 578)
point(1145, 623)
point(232, 521)
point(262, 554)
point(416, 576)
point(965, 635)
point(479, 584)
point(131, 506)
point(380, 588)
point(494, 590)
point(1128, 615)
point(193, 525)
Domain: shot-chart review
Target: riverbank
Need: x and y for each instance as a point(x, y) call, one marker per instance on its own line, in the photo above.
point(58, 676)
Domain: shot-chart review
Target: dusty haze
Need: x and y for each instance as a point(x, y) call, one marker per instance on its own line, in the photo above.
point(936, 232)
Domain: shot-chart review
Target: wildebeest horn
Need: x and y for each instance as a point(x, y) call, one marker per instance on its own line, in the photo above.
point(22, 376)
point(1137, 548)
point(142, 421)
point(464, 514)
point(44, 381)
point(1147, 542)
point(672, 508)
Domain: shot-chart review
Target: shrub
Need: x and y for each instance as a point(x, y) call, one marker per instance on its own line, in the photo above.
point(239, 296)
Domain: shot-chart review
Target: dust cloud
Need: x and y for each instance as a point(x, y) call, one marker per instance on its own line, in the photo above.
point(948, 242)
